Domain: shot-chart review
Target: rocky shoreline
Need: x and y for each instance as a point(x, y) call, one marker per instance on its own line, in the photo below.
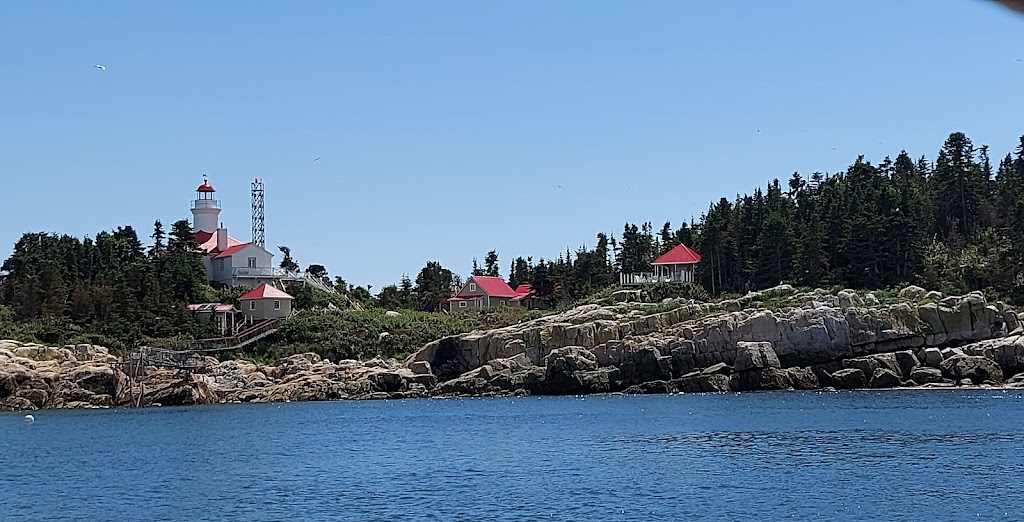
point(777, 339)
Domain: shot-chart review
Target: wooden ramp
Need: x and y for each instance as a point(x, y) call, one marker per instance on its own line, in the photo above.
point(240, 340)
point(189, 359)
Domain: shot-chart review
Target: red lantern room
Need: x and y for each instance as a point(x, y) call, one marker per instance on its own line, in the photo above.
point(205, 209)
point(205, 191)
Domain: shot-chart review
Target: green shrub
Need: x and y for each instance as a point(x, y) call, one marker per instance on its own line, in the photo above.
point(661, 291)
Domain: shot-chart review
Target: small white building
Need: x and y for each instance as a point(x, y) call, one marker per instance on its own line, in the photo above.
point(265, 302)
point(228, 261)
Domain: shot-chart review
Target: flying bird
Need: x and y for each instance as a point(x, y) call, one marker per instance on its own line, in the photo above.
point(559, 187)
point(100, 67)
point(316, 158)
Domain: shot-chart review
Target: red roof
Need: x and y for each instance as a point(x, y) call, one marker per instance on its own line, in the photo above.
point(523, 290)
point(473, 298)
point(493, 286)
point(678, 256)
point(232, 250)
point(205, 187)
point(265, 292)
point(208, 242)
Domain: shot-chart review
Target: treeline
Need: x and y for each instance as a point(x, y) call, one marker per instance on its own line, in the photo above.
point(955, 224)
point(110, 289)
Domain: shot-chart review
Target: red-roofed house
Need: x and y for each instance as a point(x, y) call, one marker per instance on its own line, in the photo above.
point(266, 302)
point(678, 265)
point(228, 261)
point(482, 292)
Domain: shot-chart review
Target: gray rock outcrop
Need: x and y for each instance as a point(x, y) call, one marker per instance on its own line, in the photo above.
point(805, 341)
point(755, 356)
point(816, 329)
point(976, 368)
point(849, 379)
point(757, 348)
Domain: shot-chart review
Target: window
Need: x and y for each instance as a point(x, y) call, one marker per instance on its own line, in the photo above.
point(462, 304)
point(252, 305)
point(252, 262)
point(472, 287)
point(504, 303)
point(277, 305)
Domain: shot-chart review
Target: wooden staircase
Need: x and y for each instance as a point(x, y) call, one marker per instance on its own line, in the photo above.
point(189, 359)
point(244, 338)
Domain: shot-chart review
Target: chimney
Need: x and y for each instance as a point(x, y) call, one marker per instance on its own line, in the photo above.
point(222, 238)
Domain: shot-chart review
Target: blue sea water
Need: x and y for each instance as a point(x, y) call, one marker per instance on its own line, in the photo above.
point(901, 455)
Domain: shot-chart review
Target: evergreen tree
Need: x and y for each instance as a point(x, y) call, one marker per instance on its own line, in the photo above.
point(405, 293)
point(158, 237)
point(287, 263)
point(433, 285)
point(542, 283)
point(521, 272)
point(389, 298)
point(183, 271)
point(319, 272)
point(960, 188)
point(491, 264)
point(666, 237)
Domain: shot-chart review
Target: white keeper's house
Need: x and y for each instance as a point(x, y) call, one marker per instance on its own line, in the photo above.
point(228, 261)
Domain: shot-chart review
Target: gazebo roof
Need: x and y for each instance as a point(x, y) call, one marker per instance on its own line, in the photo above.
point(680, 255)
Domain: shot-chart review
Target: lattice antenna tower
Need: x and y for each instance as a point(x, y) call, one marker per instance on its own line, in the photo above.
point(259, 232)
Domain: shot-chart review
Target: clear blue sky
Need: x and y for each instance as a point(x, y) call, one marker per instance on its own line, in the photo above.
point(443, 127)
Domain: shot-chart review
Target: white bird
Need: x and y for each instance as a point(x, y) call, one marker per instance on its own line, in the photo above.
point(30, 419)
point(100, 67)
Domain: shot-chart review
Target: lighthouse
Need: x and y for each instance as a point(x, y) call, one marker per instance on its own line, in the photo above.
point(230, 262)
point(205, 208)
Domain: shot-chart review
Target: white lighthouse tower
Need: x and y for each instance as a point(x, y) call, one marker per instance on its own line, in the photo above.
point(205, 209)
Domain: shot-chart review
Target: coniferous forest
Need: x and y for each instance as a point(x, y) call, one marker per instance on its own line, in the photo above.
point(110, 289)
point(955, 224)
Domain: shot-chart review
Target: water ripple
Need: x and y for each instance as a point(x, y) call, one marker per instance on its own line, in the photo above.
point(799, 456)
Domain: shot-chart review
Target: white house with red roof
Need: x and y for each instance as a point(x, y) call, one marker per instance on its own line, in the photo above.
point(228, 261)
point(483, 292)
point(678, 265)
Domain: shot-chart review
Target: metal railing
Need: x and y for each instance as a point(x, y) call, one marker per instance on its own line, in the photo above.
point(242, 338)
point(279, 273)
point(206, 203)
point(650, 278)
point(282, 275)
